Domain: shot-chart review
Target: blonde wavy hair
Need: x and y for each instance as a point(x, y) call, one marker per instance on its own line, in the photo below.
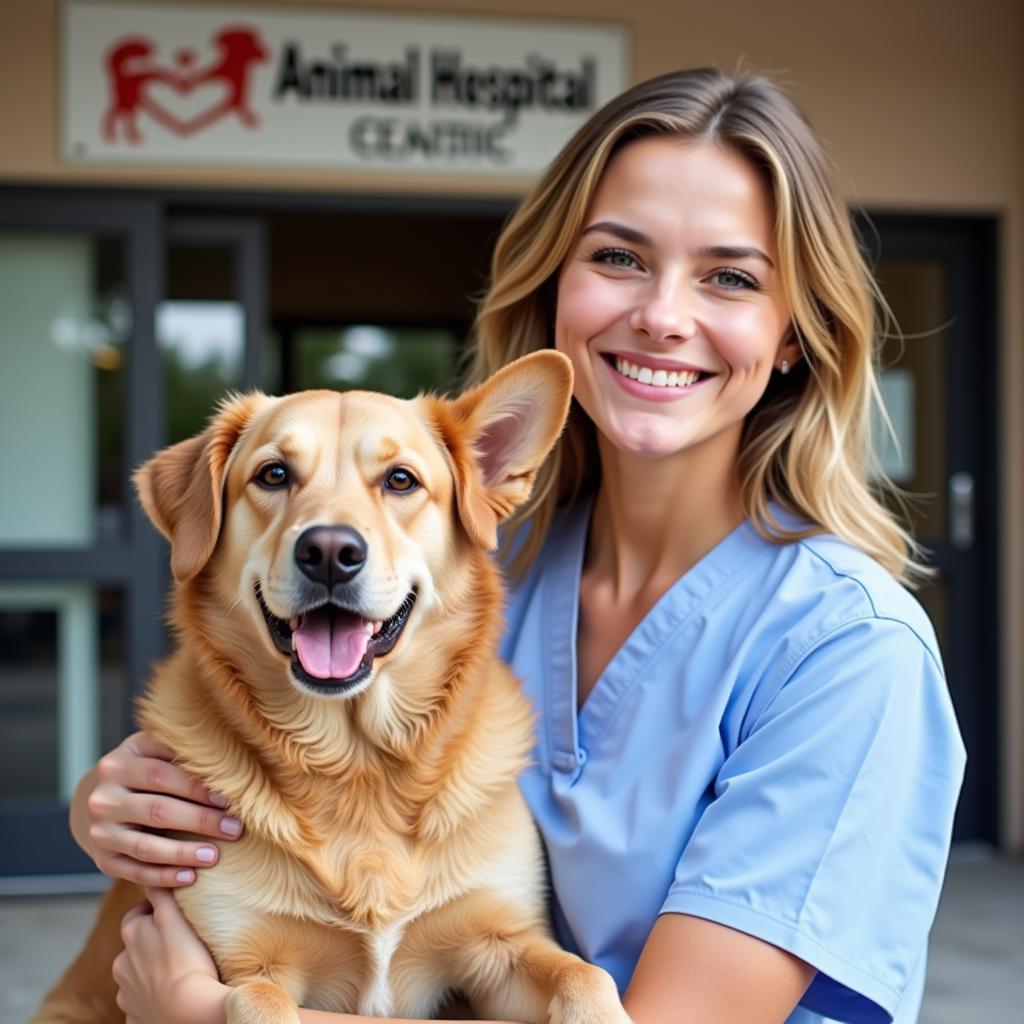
point(807, 443)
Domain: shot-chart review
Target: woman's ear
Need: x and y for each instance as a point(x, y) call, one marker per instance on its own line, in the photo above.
point(499, 434)
point(789, 352)
point(182, 487)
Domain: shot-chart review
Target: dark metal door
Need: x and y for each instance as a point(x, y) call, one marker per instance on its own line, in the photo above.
point(939, 379)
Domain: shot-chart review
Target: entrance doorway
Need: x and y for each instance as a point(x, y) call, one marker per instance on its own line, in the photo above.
point(127, 316)
point(939, 382)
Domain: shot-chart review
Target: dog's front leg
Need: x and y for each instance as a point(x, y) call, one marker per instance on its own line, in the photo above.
point(572, 991)
point(259, 1000)
point(500, 956)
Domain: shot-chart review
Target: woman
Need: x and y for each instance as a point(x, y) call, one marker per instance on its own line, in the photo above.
point(747, 763)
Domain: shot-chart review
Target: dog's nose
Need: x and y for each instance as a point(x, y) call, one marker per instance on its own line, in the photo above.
point(330, 554)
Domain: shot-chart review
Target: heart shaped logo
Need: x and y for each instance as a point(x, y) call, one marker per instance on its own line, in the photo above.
point(182, 97)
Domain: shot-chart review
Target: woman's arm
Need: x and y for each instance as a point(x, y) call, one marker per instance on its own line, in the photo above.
point(137, 787)
point(694, 970)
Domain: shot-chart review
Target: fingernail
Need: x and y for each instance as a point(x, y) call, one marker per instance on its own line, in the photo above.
point(230, 826)
point(207, 854)
point(218, 801)
point(184, 876)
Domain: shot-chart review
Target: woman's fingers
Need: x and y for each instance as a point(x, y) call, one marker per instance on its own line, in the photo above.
point(137, 794)
point(143, 745)
point(130, 767)
point(150, 848)
point(159, 876)
point(163, 812)
point(137, 911)
point(126, 847)
point(168, 915)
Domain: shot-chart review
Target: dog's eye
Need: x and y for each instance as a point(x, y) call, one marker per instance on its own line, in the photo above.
point(272, 475)
point(401, 480)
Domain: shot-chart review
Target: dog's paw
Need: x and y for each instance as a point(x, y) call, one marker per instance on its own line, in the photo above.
point(260, 1002)
point(587, 996)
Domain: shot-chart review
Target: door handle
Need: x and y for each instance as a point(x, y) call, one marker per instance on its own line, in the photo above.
point(961, 511)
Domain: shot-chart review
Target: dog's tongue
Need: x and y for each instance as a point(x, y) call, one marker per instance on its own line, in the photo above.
point(331, 643)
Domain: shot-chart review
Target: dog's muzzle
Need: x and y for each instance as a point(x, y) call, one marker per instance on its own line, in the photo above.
point(331, 648)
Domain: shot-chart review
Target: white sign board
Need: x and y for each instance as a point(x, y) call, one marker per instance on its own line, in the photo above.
point(251, 85)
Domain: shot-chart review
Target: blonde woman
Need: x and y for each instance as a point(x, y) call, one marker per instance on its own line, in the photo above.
point(747, 762)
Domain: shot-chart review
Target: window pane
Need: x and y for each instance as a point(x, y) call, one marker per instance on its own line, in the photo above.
point(202, 345)
point(64, 325)
point(913, 386)
point(62, 685)
point(201, 333)
point(401, 361)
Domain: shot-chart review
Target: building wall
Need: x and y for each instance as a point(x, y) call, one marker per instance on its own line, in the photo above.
point(920, 101)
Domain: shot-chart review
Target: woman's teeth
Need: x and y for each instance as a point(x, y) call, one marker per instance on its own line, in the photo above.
point(656, 378)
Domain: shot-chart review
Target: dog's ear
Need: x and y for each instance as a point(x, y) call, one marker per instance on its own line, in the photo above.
point(182, 487)
point(506, 427)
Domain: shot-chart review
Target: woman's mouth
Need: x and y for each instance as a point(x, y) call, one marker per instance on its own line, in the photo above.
point(651, 382)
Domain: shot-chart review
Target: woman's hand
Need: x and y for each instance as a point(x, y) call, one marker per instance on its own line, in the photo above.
point(133, 790)
point(165, 974)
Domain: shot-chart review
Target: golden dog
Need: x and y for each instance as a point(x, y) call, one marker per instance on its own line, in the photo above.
point(336, 679)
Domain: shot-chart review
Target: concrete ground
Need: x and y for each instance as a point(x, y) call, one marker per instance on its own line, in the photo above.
point(976, 972)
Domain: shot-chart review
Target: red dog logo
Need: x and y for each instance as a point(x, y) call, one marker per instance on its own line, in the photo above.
point(132, 74)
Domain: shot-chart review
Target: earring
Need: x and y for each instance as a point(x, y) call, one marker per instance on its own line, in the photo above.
point(784, 367)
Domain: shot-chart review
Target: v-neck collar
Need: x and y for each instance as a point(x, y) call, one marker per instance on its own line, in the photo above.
point(569, 732)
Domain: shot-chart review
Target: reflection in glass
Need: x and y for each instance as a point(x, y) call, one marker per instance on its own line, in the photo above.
point(203, 345)
point(62, 685)
point(400, 361)
point(64, 325)
point(913, 383)
point(897, 439)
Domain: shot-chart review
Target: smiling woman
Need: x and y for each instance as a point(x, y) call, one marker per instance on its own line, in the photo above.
point(734, 688)
point(745, 742)
point(674, 274)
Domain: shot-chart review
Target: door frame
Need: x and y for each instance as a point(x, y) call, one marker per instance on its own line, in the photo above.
point(38, 841)
point(967, 249)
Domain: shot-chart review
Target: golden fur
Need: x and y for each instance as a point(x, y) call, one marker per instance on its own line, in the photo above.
point(387, 857)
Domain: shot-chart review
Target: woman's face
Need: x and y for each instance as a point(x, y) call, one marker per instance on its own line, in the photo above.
point(670, 305)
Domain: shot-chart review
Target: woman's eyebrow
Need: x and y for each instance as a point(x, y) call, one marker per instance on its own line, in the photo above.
point(718, 252)
point(734, 252)
point(619, 230)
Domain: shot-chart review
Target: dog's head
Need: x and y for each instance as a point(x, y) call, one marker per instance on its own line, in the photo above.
point(331, 523)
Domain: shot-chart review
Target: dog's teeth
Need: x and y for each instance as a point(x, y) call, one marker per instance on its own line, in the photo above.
point(295, 646)
point(293, 623)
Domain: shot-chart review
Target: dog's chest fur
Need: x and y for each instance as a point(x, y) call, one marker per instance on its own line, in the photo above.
point(332, 879)
point(358, 894)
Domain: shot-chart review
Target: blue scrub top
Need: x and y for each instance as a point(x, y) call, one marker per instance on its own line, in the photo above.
point(773, 748)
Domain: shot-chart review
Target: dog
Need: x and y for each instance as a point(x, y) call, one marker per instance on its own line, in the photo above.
point(336, 678)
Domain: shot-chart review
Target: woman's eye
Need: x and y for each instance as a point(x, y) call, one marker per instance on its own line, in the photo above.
point(621, 259)
point(734, 279)
point(401, 480)
point(273, 475)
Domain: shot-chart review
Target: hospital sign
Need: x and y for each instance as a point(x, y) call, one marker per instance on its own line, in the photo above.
point(228, 85)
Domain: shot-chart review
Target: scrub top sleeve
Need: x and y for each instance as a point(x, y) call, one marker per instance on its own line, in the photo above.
point(829, 827)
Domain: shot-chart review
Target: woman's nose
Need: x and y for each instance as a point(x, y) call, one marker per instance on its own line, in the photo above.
point(666, 311)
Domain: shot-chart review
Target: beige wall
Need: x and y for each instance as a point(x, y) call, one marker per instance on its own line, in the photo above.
point(921, 101)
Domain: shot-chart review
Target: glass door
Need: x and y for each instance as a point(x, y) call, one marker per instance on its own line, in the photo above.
point(119, 330)
point(79, 613)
